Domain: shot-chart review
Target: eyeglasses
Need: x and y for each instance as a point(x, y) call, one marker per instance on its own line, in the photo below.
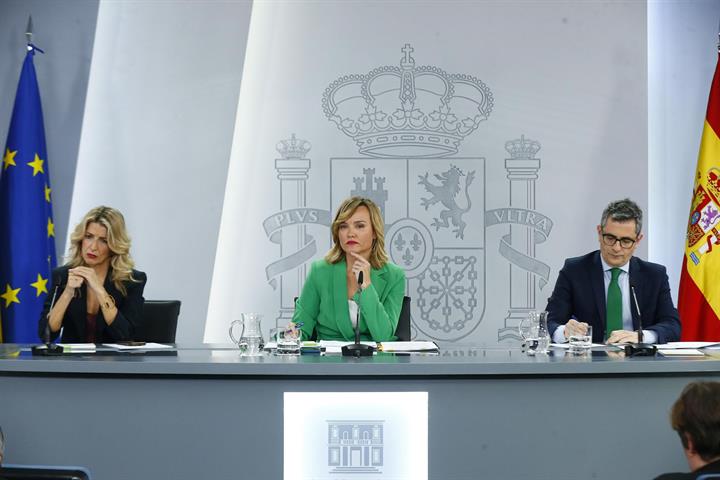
point(610, 240)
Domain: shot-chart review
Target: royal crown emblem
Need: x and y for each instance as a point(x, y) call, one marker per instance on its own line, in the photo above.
point(399, 111)
point(293, 148)
point(522, 148)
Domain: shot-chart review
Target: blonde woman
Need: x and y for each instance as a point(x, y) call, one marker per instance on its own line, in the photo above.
point(331, 294)
point(98, 297)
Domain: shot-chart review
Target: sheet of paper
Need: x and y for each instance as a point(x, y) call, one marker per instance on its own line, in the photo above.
point(684, 345)
point(567, 345)
point(417, 346)
point(146, 346)
point(681, 352)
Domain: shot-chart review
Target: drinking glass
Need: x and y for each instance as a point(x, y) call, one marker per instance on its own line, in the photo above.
point(581, 343)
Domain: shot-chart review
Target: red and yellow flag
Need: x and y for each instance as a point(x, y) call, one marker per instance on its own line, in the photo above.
point(699, 294)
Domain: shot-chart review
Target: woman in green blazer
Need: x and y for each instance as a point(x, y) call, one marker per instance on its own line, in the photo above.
point(329, 300)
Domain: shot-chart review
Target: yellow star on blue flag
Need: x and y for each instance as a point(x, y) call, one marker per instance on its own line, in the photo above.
point(27, 235)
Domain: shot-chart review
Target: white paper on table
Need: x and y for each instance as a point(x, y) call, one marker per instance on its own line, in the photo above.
point(684, 345)
point(681, 352)
point(147, 346)
point(416, 346)
point(567, 345)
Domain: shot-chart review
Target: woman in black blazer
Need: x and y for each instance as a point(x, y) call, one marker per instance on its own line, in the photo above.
point(97, 296)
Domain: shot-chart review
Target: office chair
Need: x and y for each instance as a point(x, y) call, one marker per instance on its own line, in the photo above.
point(41, 472)
point(402, 331)
point(159, 321)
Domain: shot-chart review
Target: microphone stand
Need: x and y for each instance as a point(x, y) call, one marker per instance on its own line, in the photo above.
point(358, 349)
point(48, 349)
point(639, 349)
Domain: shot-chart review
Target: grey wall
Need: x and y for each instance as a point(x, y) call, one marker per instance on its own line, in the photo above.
point(65, 30)
point(556, 76)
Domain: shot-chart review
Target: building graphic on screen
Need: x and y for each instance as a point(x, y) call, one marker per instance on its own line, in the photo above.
point(355, 446)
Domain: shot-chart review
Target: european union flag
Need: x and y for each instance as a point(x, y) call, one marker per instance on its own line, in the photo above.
point(27, 232)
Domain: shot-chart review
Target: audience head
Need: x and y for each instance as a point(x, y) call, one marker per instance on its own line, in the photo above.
point(695, 416)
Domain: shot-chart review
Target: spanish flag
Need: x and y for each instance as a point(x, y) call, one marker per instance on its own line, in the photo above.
point(699, 294)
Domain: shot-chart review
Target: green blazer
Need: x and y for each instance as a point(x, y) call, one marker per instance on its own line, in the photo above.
point(323, 304)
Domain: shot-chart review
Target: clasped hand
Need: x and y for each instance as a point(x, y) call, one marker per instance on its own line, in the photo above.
point(79, 275)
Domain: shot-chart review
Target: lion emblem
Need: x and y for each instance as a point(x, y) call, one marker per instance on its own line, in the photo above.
point(445, 193)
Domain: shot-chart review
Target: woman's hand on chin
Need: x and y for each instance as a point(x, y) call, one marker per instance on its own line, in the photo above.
point(361, 265)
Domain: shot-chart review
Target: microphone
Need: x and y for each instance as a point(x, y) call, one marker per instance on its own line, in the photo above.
point(639, 349)
point(49, 348)
point(358, 349)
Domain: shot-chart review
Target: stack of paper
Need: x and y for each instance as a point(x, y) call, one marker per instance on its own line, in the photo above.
point(418, 346)
point(139, 346)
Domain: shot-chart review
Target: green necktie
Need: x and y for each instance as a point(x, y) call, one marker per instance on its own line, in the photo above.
point(614, 303)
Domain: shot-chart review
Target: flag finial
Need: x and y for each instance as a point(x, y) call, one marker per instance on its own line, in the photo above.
point(29, 31)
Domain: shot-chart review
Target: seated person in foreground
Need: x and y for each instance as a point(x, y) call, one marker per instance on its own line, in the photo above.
point(695, 416)
point(97, 295)
point(330, 297)
point(595, 289)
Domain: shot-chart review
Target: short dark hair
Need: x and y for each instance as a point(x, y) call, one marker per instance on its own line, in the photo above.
point(623, 211)
point(696, 414)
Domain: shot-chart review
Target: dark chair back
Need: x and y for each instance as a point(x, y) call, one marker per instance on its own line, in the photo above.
point(37, 472)
point(402, 332)
point(160, 319)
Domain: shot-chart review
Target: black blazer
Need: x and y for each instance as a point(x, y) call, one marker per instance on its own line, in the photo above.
point(126, 322)
point(580, 293)
point(713, 467)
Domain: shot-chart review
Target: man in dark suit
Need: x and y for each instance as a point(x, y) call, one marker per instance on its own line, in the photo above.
point(695, 416)
point(596, 289)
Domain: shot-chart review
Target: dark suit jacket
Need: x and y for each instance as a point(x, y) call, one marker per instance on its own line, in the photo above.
point(580, 293)
point(126, 322)
point(713, 467)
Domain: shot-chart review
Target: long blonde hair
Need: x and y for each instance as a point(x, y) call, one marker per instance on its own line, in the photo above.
point(118, 243)
point(378, 257)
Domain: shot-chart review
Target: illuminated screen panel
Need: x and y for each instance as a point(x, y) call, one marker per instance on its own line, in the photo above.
point(359, 435)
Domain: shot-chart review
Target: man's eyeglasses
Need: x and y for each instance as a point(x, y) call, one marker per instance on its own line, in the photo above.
point(610, 240)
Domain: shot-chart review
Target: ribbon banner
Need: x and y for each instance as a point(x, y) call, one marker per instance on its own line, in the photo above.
point(541, 225)
point(273, 226)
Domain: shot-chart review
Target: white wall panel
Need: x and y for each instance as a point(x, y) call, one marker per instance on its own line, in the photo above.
point(156, 136)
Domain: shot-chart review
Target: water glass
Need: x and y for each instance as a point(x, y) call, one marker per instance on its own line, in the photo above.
point(581, 343)
point(288, 341)
point(534, 332)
